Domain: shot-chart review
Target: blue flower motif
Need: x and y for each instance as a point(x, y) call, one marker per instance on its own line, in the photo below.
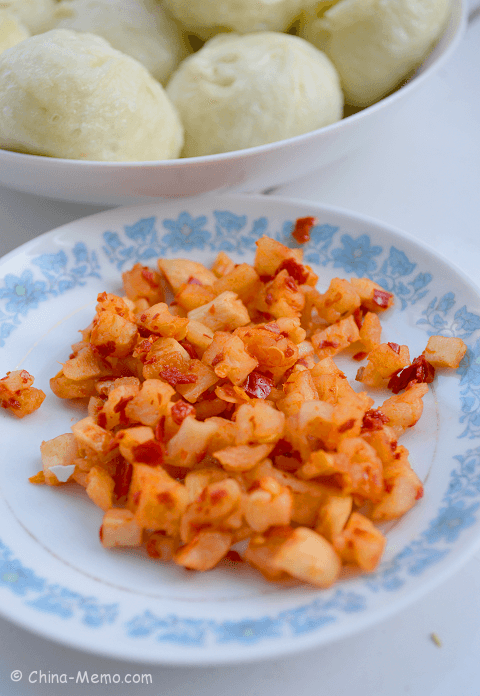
point(450, 522)
point(357, 255)
point(466, 322)
point(469, 368)
point(52, 264)
point(23, 293)
point(397, 263)
point(19, 579)
point(142, 231)
point(186, 232)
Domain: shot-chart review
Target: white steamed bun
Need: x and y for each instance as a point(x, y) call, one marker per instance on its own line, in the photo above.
point(70, 95)
point(209, 17)
point(242, 91)
point(36, 15)
point(12, 31)
point(140, 28)
point(375, 44)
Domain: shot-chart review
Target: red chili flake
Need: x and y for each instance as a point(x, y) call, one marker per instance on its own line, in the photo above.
point(160, 430)
point(165, 498)
point(419, 493)
point(193, 281)
point(233, 556)
point(102, 419)
point(374, 419)
point(173, 376)
point(257, 385)
point(419, 371)
point(100, 532)
point(266, 278)
point(190, 349)
point(288, 352)
point(301, 232)
point(395, 347)
point(269, 298)
point(327, 344)
point(105, 349)
point(295, 270)
point(360, 356)
point(381, 298)
point(122, 478)
point(348, 425)
point(358, 315)
point(143, 317)
point(150, 452)
point(180, 410)
point(11, 403)
point(212, 310)
point(218, 358)
point(136, 498)
point(122, 404)
point(25, 376)
point(149, 276)
point(218, 495)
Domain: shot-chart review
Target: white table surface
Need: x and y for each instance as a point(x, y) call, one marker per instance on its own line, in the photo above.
point(422, 177)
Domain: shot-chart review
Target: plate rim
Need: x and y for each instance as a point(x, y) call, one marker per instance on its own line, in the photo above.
point(292, 645)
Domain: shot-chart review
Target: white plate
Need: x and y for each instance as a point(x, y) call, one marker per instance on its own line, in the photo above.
point(57, 580)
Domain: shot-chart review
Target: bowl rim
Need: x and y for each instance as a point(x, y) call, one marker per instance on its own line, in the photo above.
point(455, 28)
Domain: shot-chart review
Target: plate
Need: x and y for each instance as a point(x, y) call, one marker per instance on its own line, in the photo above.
point(55, 577)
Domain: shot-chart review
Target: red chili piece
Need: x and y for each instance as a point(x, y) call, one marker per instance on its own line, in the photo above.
point(190, 349)
point(173, 376)
point(301, 232)
point(180, 410)
point(395, 347)
point(381, 298)
point(374, 419)
point(150, 452)
point(149, 277)
point(419, 371)
point(122, 478)
point(257, 386)
point(360, 356)
point(105, 349)
point(295, 270)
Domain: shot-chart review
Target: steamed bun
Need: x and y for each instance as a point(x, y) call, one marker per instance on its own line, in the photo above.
point(12, 31)
point(140, 28)
point(209, 17)
point(242, 91)
point(70, 95)
point(36, 15)
point(375, 44)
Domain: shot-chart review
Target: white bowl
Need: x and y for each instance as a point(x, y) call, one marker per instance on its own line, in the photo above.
point(255, 169)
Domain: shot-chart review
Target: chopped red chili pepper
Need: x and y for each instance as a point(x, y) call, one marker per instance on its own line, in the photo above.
point(122, 478)
point(395, 347)
point(173, 376)
point(374, 419)
point(301, 232)
point(190, 349)
point(180, 410)
point(257, 385)
point(149, 276)
point(295, 270)
point(360, 356)
point(419, 371)
point(381, 298)
point(150, 452)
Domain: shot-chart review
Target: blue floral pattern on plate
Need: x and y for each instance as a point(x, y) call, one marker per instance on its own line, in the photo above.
point(330, 246)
